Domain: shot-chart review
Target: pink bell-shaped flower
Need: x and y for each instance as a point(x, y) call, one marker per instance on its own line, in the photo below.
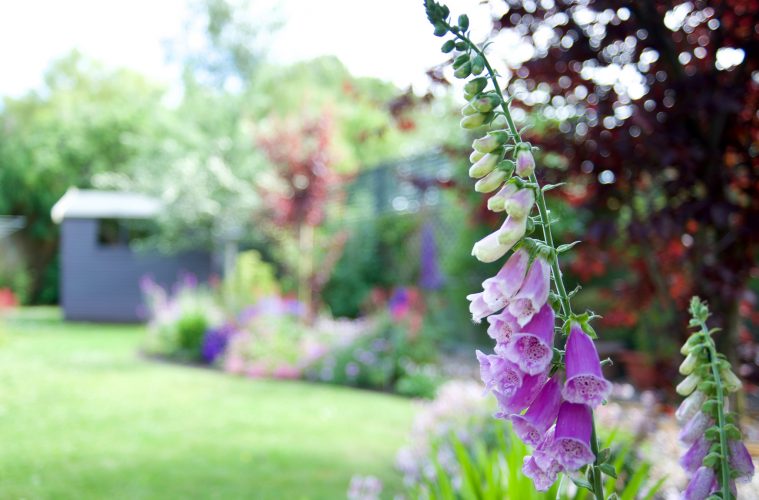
point(571, 444)
point(585, 382)
point(504, 285)
point(532, 348)
point(533, 293)
point(499, 375)
point(540, 416)
point(502, 327)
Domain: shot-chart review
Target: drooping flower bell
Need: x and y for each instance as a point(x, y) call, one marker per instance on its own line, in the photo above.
point(542, 467)
point(532, 348)
point(700, 485)
point(585, 382)
point(499, 289)
point(495, 245)
point(520, 204)
point(740, 461)
point(695, 427)
point(540, 416)
point(520, 398)
point(502, 327)
point(497, 202)
point(695, 455)
point(499, 375)
point(690, 406)
point(533, 293)
point(571, 444)
point(478, 307)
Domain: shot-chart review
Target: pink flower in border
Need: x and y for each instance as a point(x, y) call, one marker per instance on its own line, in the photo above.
point(499, 375)
point(532, 348)
point(501, 287)
point(522, 397)
point(533, 293)
point(502, 327)
point(478, 307)
point(571, 444)
point(585, 382)
point(540, 416)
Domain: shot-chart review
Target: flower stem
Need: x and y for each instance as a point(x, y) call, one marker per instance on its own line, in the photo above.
point(545, 222)
point(714, 364)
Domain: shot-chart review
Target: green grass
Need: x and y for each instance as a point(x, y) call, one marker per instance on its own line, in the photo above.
point(82, 415)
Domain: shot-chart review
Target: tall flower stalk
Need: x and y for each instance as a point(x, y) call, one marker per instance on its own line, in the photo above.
point(716, 456)
point(546, 386)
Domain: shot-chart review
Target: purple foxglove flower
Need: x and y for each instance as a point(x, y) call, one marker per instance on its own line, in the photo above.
point(430, 277)
point(532, 426)
point(692, 459)
point(525, 162)
point(501, 287)
point(585, 383)
point(534, 292)
point(520, 204)
point(522, 397)
point(740, 460)
point(499, 375)
point(700, 485)
point(543, 454)
point(695, 427)
point(690, 406)
point(532, 348)
point(541, 478)
point(502, 327)
point(571, 443)
point(478, 307)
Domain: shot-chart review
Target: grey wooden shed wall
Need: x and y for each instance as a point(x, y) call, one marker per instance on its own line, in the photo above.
point(102, 283)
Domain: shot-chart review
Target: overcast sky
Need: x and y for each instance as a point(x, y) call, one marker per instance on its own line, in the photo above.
point(390, 39)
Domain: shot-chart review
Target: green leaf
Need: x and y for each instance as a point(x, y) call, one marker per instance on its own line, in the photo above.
point(604, 455)
point(608, 469)
point(549, 187)
point(566, 247)
point(581, 483)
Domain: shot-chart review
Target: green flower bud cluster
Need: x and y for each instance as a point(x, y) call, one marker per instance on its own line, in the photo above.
point(708, 379)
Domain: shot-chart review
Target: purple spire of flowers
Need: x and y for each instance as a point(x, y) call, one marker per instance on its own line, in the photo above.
point(215, 342)
point(695, 455)
point(430, 276)
point(532, 348)
point(532, 426)
point(571, 444)
point(522, 397)
point(502, 327)
point(740, 460)
point(533, 293)
point(499, 375)
point(585, 383)
point(502, 287)
point(700, 485)
point(695, 427)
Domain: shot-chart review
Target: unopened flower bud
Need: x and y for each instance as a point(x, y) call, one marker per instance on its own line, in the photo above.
point(490, 142)
point(687, 366)
point(486, 103)
point(731, 382)
point(512, 231)
point(497, 202)
point(524, 160)
point(696, 340)
point(448, 46)
point(474, 121)
point(478, 65)
point(463, 71)
point(440, 30)
point(468, 110)
point(520, 204)
point(460, 60)
point(490, 182)
point(463, 22)
point(475, 156)
point(688, 384)
point(484, 165)
point(475, 86)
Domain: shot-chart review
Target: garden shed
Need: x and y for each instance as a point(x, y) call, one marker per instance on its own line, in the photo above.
point(100, 267)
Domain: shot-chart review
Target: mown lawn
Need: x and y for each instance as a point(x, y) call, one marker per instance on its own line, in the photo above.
point(82, 415)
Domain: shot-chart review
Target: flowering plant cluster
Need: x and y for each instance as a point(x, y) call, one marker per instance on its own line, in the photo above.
point(548, 389)
point(716, 456)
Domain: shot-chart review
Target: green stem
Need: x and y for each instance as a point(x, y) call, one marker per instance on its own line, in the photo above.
point(547, 237)
point(713, 362)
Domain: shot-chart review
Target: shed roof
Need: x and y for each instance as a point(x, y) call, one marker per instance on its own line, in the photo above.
point(95, 204)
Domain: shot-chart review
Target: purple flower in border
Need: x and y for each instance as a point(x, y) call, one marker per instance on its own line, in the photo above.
point(585, 382)
point(533, 293)
point(740, 460)
point(532, 426)
point(522, 397)
point(215, 342)
point(502, 327)
point(430, 277)
point(499, 375)
point(478, 307)
point(571, 444)
point(501, 287)
point(532, 348)
point(700, 485)
point(695, 455)
point(695, 427)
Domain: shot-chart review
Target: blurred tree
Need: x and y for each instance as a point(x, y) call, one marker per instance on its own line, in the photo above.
point(655, 105)
point(82, 122)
